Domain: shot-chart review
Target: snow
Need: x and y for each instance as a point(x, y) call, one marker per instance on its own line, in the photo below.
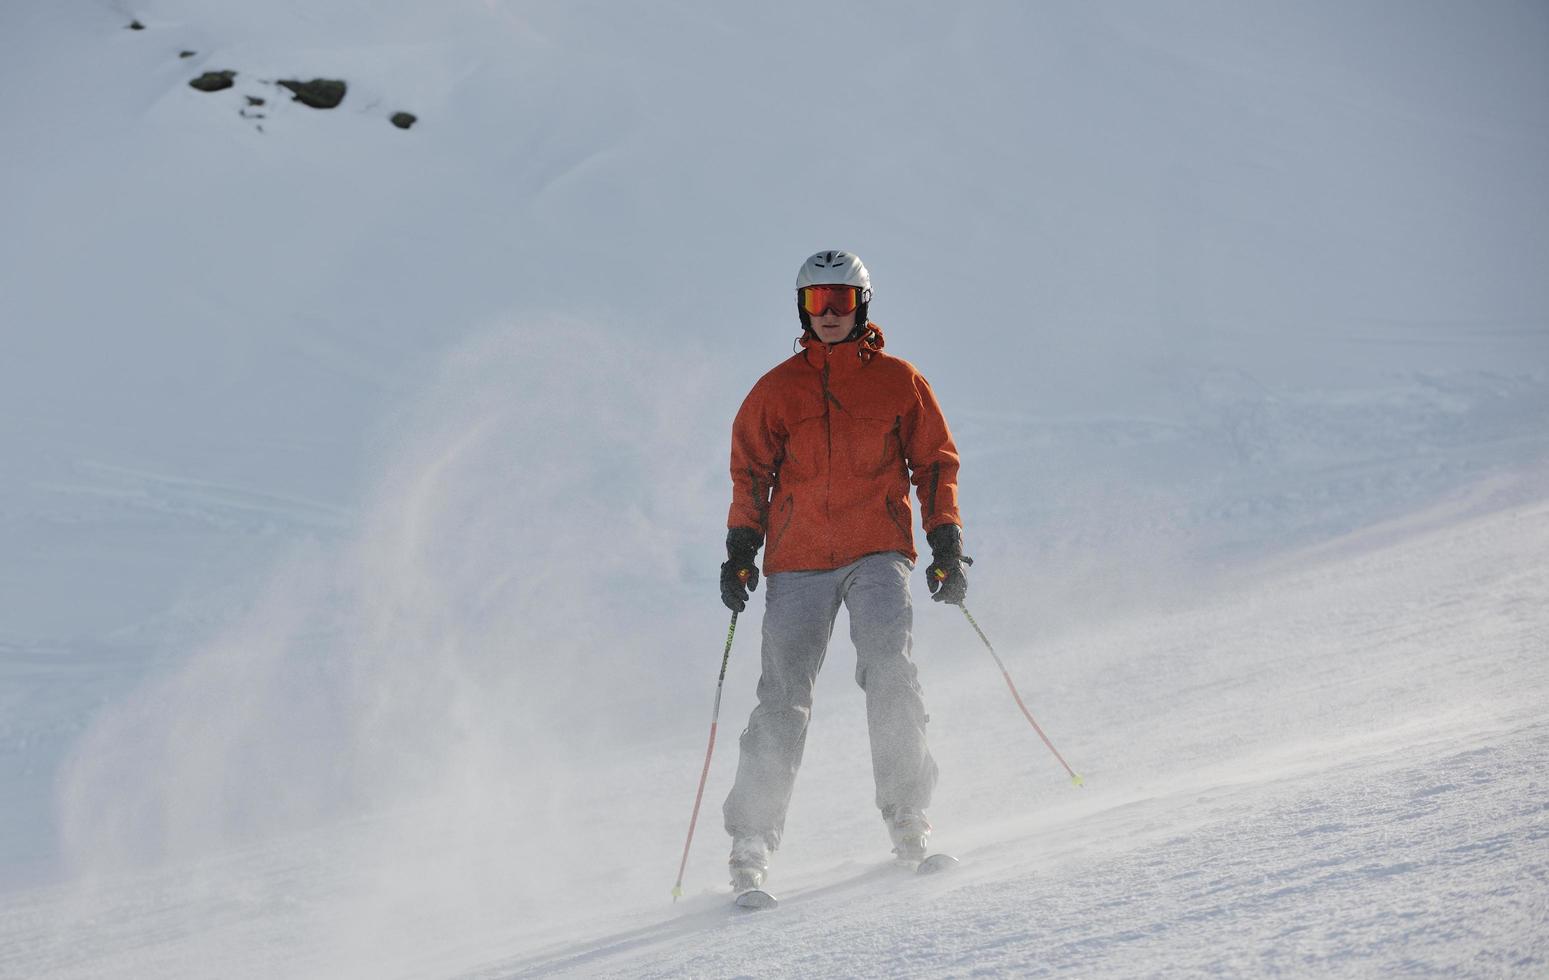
point(363, 488)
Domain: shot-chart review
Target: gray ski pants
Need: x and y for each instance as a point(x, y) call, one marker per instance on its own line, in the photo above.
point(799, 613)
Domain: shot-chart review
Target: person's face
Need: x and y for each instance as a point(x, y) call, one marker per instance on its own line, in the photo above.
point(823, 304)
point(832, 328)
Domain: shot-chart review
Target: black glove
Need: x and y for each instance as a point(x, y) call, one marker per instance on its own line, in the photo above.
point(739, 573)
point(945, 577)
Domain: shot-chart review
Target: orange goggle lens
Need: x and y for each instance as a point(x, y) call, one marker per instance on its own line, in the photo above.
point(818, 300)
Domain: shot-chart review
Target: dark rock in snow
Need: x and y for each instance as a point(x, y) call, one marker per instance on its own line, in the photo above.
point(186, 54)
point(135, 25)
point(214, 81)
point(403, 120)
point(254, 100)
point(319, 93)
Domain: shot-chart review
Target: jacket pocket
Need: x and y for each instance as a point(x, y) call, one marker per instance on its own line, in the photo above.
point(875, 448)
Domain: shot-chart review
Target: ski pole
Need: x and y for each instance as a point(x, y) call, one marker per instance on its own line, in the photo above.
point(715, 717)
point(1077, 780)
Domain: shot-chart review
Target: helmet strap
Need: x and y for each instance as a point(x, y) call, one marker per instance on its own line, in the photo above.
point(861, 322)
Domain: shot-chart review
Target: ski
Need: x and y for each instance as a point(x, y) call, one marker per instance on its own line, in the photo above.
point(936, 864)
point(755, 899)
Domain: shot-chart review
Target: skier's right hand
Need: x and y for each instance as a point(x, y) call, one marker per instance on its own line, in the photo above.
point(739, 573)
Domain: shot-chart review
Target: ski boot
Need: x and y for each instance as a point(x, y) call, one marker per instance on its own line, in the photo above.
point(749, 864)
point(910, 832)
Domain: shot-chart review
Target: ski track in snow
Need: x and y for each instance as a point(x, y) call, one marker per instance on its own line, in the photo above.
point(109, 489)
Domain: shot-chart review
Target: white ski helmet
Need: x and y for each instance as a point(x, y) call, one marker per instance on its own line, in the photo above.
point(835, 268)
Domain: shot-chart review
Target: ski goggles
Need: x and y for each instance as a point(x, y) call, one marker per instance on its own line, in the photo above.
point(820, 300)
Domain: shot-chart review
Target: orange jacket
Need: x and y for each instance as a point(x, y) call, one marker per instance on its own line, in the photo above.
point(824, 449)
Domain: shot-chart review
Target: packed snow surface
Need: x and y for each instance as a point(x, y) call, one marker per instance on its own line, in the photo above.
point(363, 489)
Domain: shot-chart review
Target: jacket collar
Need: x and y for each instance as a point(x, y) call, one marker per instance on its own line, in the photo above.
point(845, 355)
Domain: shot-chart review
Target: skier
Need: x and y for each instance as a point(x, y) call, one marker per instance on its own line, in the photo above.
point(824, 449)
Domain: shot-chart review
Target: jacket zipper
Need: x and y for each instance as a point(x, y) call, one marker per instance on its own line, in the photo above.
point(828, 429)
point(829, 401)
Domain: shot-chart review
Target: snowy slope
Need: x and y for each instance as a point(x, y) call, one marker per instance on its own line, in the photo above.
point(363, 488)
point(1364, 794)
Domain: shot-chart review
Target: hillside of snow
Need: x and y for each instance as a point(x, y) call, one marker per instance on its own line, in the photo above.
point(364, 488)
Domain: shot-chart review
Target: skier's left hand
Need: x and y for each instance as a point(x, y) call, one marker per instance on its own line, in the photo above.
point(945, 577)
point(947, 586)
